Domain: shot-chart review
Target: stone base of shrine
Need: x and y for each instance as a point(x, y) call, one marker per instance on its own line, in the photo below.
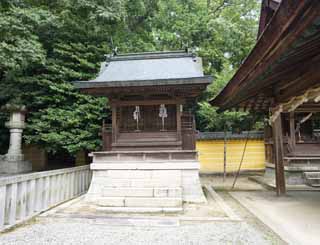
point(14, 166)
point(147, 181)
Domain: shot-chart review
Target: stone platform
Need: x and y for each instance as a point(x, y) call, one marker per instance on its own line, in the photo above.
point(294, 173)
point(145, 181)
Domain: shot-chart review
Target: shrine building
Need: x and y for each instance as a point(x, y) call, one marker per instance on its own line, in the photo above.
point(148, 161)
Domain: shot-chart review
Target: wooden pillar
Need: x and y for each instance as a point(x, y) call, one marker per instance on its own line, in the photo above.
point(178, 113)
point(114, 123)
point(278, 156)
point(292, 131)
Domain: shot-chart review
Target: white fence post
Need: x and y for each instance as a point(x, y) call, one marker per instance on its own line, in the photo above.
point(2, 205)
point(31, 197)
point(22, 200)
point(39, 194)
point(46, 201)
point(12, 203)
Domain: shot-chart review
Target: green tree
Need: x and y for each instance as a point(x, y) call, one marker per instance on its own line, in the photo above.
point(45, 45)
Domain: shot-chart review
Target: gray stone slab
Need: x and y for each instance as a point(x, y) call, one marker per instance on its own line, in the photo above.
point(294, 217)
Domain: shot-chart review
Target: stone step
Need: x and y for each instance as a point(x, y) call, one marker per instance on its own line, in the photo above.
point(312, 178)
point(142, 192)
point(302, 160)
point(312, 175)
point(315, 185)
point(140, 202)
point(141, 210)
point(141, 183)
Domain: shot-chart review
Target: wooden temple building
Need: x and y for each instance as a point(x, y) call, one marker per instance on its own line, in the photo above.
point(148, 162)
point(281, 78)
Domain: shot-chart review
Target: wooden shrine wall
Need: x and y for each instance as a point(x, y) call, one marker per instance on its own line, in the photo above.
point(149, 121)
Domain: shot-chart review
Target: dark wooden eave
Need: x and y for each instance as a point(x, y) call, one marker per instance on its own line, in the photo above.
point(268, 8)
point(184, 87)
point(284, 62)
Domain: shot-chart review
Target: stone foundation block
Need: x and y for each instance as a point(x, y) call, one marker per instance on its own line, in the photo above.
point(168, 192)
point(153, 202)
point(15, 167)
point(161, 184)
point(108, 201)
point(129, 174)
point(141, 209)
point(166, 174)
point(127, 192)
point(155, 183)
point(101, 173)
point(108, 182)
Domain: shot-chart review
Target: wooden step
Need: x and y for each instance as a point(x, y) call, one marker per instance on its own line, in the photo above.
point(312, 178)
point(147, 140)
point(145, 148)
point(147, 143)
point(315, 185)
point(148, 135)
point(302, 158)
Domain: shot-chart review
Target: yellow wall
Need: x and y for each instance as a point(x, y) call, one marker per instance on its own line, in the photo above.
point(211, 155)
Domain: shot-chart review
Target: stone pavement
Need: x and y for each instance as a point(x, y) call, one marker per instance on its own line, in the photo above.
point(221, 221)
point(295, 217)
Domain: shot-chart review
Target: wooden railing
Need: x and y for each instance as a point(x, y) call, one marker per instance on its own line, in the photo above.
point(188, 131)
point(106, 136)
point(26, 195)
point(187, 121)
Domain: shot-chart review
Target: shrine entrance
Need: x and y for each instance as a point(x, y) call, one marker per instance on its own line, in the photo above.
point(145, 125)
point(147, 118)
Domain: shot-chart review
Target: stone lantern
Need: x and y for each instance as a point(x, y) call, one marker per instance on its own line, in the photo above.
point(13, 162)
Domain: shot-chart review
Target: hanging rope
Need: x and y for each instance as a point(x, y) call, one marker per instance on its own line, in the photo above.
point(243, 153)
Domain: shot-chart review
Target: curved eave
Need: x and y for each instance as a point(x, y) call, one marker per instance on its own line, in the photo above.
point(138, 83)
point(290, 21)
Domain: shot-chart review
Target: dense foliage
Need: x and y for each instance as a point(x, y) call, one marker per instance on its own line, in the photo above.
point(46, 44)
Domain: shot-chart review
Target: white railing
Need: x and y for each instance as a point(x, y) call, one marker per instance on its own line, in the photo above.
point(26, 195)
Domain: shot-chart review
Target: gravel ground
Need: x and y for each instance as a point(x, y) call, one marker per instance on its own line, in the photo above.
point(56, 232)
point(68, 230)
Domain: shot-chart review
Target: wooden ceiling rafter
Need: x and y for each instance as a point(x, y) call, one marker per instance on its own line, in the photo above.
point(284, 77)
point(311, 95)
point(288, 23)
point(187, 90)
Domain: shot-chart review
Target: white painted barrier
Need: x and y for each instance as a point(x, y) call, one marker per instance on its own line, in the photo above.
point(26, 195)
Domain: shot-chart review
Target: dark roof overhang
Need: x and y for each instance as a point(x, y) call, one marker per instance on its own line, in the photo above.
point(287, 50)
point(268, 7)
point(189, 87)
point(138, 83)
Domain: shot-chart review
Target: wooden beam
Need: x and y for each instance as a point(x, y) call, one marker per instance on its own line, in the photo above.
point(146, 102)
point(114, 123)
point(315, 108)
point(188, 89)
point(303, 82)
point(292, 131)
point(288, 23)
point(278, 150)
point(178, 113)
